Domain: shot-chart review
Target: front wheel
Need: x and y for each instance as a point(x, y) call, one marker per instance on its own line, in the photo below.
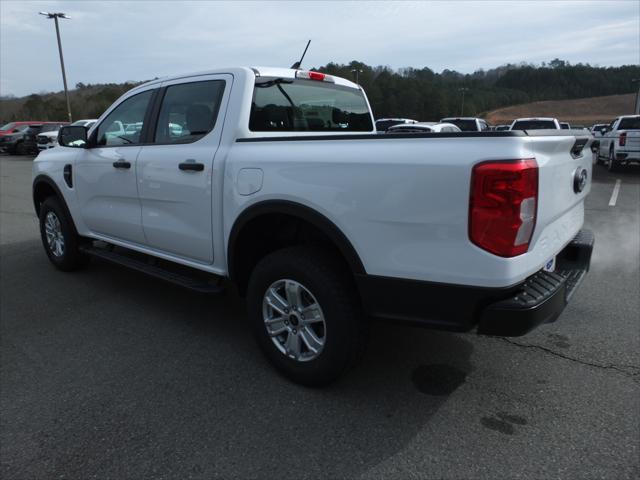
point(305, 314)
point(59, 238)
point(21, 149)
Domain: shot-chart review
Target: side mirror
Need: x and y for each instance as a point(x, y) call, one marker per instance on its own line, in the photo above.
point(73, 136)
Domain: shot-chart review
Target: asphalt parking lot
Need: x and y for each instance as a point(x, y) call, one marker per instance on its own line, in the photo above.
point(106, 373)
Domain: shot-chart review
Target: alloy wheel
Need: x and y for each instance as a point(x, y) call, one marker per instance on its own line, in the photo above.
point(294, 320)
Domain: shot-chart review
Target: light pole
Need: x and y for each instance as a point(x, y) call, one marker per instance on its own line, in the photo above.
point(463, 90)
point(357, 71)
point(636, 110)
point(55, 17)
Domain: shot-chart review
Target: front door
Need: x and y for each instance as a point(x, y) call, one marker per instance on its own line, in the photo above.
point(105, 175)
point(175, 172)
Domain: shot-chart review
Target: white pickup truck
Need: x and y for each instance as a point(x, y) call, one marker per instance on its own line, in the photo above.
point(620, 142)
point(277, 180)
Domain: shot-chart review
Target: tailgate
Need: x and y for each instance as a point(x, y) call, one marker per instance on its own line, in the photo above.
point(633, 140)
point(564, 160)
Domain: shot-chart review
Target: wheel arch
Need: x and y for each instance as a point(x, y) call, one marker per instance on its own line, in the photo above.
point(45, 187)
point(294, 211)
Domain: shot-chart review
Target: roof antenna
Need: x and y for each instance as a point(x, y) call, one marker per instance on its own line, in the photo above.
point(296, 65)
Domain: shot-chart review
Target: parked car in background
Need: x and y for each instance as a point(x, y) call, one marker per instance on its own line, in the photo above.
point(424, 127)
point(87, 123)
point(565, 126)
point(30, 139)
point(48, 138)
point(620, 142)
point(382, 124)
point(116, 130)
point(467, 124)
point(501, 128)
point(596, 130)
point(16, 127)
point(535, 124)
point(23, 139)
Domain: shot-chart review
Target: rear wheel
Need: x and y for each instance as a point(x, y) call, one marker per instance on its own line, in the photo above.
point(59, 238)
point(612, 165)
point(305, 314)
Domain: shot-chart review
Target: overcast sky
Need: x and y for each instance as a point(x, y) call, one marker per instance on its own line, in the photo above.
point(110, 41)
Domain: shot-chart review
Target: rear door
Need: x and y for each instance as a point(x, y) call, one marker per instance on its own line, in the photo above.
point(175, 171)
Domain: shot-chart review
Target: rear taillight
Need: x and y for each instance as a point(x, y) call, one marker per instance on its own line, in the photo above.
point(503, 206)
point(623, 139)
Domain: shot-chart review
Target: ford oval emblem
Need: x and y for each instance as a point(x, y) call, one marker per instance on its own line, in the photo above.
point(580, 180)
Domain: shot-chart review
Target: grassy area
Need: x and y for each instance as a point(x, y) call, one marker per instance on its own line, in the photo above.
point(581, 111)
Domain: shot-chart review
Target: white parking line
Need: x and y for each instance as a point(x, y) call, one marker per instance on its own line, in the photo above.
point(614, 194)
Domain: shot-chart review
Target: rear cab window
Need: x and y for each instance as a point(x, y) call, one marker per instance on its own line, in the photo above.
point(301, 105)
point(632, 123)
point(534, 125)
point(463, 125)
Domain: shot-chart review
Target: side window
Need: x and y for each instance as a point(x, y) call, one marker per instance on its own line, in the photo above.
point(123, 125)
point(189, 111)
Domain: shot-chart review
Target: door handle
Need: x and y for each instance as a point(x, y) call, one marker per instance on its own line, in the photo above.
point(122, 164)
point(191, 165)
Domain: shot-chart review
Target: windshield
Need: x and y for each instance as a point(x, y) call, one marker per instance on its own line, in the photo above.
point(464, 125)
point(631, 123)
point(534, 125)
point(8, 126)
point(308, 105)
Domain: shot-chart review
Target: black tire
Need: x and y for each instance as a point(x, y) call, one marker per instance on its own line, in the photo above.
point(612, 165)
point(598, 158)
point(329, 281)
point(20, 149)
point(69, 258)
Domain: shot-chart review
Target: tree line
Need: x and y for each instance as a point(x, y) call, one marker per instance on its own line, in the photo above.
point(423, 94)
point(416, 93)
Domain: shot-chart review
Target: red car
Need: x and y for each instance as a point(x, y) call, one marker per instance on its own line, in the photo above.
point(15, 127)
point(20, 137)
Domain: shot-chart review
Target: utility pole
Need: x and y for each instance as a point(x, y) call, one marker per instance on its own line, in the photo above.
point(55, 17)
point(636, 110)
point(357, 71)
point(463, 90)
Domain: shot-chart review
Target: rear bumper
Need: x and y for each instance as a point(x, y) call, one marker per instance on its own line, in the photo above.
point(628, 156)
point(510, 311)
